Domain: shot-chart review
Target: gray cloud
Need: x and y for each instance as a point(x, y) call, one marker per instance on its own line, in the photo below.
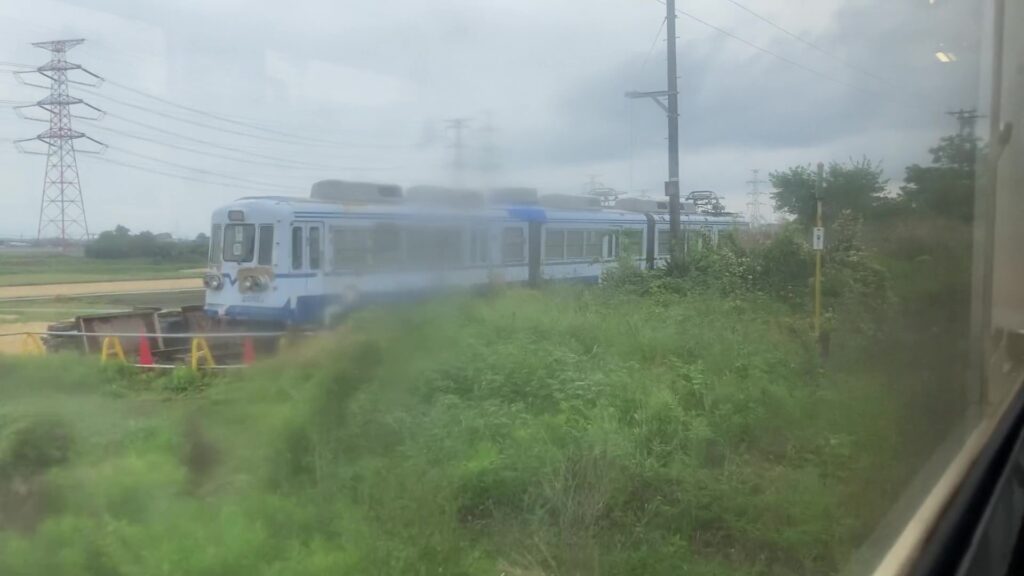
point(382, 76)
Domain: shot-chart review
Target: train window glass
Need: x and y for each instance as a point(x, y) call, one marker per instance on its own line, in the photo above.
point(386, 245)
point(513, 245)
point(593, 246)
point(450, 246)
point(351, 247)
point(434, 246)
point(314, 248)
point(420, 249)
point(574, 244)
point(664, 243)
point(215, 246)
point(554, 245)
point(296, 247)
point(478, 247)
point(266, 251)
point(239, 242)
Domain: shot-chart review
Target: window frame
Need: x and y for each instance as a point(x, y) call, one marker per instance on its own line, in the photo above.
point(549, 236)
point(261, 247)
point(216, 247)
point(314, 241)
point(297, 256)
point(249, 253)
point(506, 243)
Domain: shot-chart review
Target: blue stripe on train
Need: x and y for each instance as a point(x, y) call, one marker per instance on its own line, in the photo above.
point(313, 309)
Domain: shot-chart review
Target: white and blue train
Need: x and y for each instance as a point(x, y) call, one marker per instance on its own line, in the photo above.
point(307, 261)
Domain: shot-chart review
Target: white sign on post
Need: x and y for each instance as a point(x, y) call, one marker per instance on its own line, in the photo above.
point(819, 238)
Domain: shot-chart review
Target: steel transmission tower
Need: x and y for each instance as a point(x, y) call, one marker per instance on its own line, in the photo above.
point(754, 206)
point(62, 210)
point(457, 126)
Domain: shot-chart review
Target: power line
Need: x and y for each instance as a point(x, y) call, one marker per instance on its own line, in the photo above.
point(212, 144)
point(192, 168)
point(653, 44)
point(221, 117)
point(223, 156)
point(810, 44)
point(223, 129)
point(767, 51)
point(189, 121)
point(187, 178)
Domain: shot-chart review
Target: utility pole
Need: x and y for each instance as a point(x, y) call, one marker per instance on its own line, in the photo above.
point(966, 120)
point(457, 125)
point(671, 107)
point(756, 220)
point(62, 209)
point(819, 247)
point(672, 186)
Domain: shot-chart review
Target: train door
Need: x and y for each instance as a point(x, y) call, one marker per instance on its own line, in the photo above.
point(307, 269)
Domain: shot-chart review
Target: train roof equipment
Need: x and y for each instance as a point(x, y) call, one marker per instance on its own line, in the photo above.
point(357, 192)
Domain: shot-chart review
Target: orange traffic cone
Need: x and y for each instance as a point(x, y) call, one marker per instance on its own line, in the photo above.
point(145, 353)
point(248, 352)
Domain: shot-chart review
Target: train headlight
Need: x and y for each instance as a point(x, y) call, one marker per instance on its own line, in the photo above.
point(253, 284)
point(213, 281)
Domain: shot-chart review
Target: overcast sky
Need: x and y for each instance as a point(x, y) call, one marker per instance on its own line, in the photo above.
point(362, 89)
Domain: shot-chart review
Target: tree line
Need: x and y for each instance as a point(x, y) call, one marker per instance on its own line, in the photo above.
point(121, 243)
point(944, 189)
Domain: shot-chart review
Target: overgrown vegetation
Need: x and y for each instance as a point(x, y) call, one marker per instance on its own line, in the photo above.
point(644, 430)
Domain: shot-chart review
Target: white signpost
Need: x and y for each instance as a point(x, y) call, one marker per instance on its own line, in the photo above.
point(819, 238)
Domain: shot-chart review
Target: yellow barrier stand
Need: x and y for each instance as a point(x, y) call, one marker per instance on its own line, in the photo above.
point(32, 345)
point(111, 344)
point(201, 349)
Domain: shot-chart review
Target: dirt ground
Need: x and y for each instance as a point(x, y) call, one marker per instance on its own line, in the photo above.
point(90, 288)
point(15, 344)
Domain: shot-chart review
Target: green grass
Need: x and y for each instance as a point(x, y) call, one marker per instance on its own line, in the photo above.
point(577, 431)
point(19, 269)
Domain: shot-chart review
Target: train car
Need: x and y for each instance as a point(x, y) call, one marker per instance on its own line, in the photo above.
point(309, 261)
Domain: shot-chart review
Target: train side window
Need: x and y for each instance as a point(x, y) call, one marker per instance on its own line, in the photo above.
point(350, 248)
point(314, 248)
point(296, 247)
point(664, 243)
point(215, 243)
point(574, 244)
point(386, 245)
point(265, 256)
point(554, 245)
point(594, 245)
point(513, 245)
point(479, 247)
point(450, 246)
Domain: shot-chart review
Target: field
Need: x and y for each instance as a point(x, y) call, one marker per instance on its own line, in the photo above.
point(564, 431)
point(19, 268)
